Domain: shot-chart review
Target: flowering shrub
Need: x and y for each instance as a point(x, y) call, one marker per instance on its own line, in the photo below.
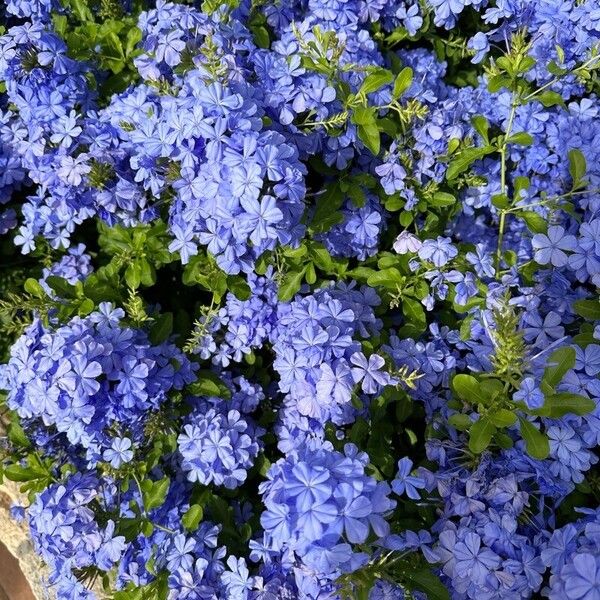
point(300, 299)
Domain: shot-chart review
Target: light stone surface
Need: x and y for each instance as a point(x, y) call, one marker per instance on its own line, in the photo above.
point(16, 538)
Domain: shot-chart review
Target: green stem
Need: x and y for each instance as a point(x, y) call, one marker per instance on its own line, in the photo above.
point(503, 149)
point(553, 199)
point(145, 514)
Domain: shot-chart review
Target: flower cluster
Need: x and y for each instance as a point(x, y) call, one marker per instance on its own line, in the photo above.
point(67, 535)
point(218, 444)
point(93, 381)
point(319, 503)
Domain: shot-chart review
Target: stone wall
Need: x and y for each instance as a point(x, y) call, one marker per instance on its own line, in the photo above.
point(22, 573)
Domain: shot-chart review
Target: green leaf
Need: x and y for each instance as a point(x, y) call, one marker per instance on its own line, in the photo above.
point(209, 384)
point(327, 213)
point(577, 167)
point(369, 136)
point(564, 403)
point(161, 328)
point(261, 36)
point(62, 288)
point(467, 388)
point(389, 278)
point(290, 285)
point(460, 421)
point(441, 199)
point(33, 287)
point(113, 56)
point(481, 125)
point(86, 307)
point(425, 580)
point(465, 159)
point(403, 82)
point(133, 275)
point(239, 287)
point(374, 81)
point(191, 519)
point(480, 435)
point(536, 442)
point(500, 201)
point(155, 494)
point(321, 258)
point(550, 98)
point(589, 309)
point(520, 138)
point(16, 434)
point(560, 361)
point(80, 9)
point(134, 37)
point(364, 115)
point(535, 222)
point(503, 418)
point(414, 314)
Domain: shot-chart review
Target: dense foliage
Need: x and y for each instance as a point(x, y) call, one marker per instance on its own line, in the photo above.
point(300, 298)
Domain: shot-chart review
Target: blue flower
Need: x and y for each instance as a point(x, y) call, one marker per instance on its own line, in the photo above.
point(119, 452)
point(438, 251)
point(530, 394)
point(404, 482)
point(480, 45)
point(473, 561)
point(551, 248)
point(368, 372)
point(582, 580)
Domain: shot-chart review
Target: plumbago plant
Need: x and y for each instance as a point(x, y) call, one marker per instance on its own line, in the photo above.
point(300, 299)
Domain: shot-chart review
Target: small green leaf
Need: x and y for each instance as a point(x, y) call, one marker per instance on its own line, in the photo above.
point(465, 159)
point(290, 285)
point(550, 98)
point(80, 10)
point(134, 37)
point(403, 82)
point(520, 138)
point(156, 493)
point(468, 389)
point(369, 136)
point(536, 442)
point(577, 167)
point(161, 328)
point(364, 115)
point(374, 81)
point(425, 580)
point(239, 287)
point(389, 278)
point(261, 36)
point(209, 384)
point(16, 434)
point(535, 222)
point(503, 418)
point(500, 201)
point(564, 403)
point(589, 309)
point(133, 275)
point(327, 213)
point(460, 421)
point(414, 314)
point(441, 199)
point(62, 288)
point(481, 125)
point(33, 287)
point(480, 435)
point(191, 519)
point(86, 307)
point(559, 363)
